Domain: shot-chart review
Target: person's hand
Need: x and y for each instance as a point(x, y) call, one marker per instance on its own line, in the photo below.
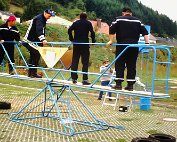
point(93, 40)
point(44, 42)
point(1, 41)
point(71, 39)
point(109, 43)
point(19, 42)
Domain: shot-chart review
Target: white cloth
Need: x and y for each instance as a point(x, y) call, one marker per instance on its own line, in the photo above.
point(108, 72)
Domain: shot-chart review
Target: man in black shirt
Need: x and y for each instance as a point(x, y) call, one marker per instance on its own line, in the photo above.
point(127, 29)
point(81, 30)
point(36, 33)
point(9, 32)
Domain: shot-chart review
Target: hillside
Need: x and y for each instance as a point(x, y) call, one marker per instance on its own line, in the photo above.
point(59, 33)
point(106, 10)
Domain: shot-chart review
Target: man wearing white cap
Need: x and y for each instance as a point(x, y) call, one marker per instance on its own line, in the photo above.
point(8, 33)
point(36, 33)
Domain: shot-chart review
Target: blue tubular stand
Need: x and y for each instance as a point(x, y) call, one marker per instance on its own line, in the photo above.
point(58, 104)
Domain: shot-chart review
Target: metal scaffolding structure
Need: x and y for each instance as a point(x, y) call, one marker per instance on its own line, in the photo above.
point(59, 103)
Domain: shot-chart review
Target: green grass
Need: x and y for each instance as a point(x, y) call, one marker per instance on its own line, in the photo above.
point(10, 91)
point(153, 131)
point(121, 140)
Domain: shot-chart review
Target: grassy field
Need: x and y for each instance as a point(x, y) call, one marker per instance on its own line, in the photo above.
point(136, 123)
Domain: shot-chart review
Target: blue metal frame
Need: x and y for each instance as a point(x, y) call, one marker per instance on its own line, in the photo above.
point(55, 96)
point(94, 125)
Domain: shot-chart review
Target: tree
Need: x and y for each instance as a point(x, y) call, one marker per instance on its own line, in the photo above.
point(35, 7)
point(4, 5)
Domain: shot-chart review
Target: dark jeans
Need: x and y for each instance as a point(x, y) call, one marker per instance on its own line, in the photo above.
point(10, 50)
point(83, 52)
point(104, 83)
point(34, 55)
point(126, 60)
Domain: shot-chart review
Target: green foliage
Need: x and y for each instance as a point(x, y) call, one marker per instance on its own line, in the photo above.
point(18, 2)
point(80, 4)
point(106, 10)
point(72, 13)
point(4, 5)
point(121, 140)
point(18, 14)
point(35, 7)
point(56, 33)
point(92, 15)
point(153, 131)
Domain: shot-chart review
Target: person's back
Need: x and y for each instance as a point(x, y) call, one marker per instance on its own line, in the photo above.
point(129, 29)
point(81, 30)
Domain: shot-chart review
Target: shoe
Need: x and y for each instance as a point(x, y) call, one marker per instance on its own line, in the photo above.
point(117, 87)
point(86, 82)
point(129, 87)
point(99, 99)
point(29, 73)
point(35, 76)
point(74, 81)
point(11, 73)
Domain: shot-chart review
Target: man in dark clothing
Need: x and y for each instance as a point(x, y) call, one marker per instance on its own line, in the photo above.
point(36, 33)
point(9, 32)
point(127, 29)
point(81, 30)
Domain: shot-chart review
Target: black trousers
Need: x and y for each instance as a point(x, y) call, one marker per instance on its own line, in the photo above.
point(83, 52)
point(10, 50)
point(34, 55)
point(126, 60)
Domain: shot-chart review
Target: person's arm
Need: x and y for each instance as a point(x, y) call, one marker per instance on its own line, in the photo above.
point(92, 33)
point(1, 33)
point(112, 31)
point(111, 70)
point(17, 34)
point(146, 39)
point(40, 31)
point(144, 32)
point(111, 37)
point(71, 28)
